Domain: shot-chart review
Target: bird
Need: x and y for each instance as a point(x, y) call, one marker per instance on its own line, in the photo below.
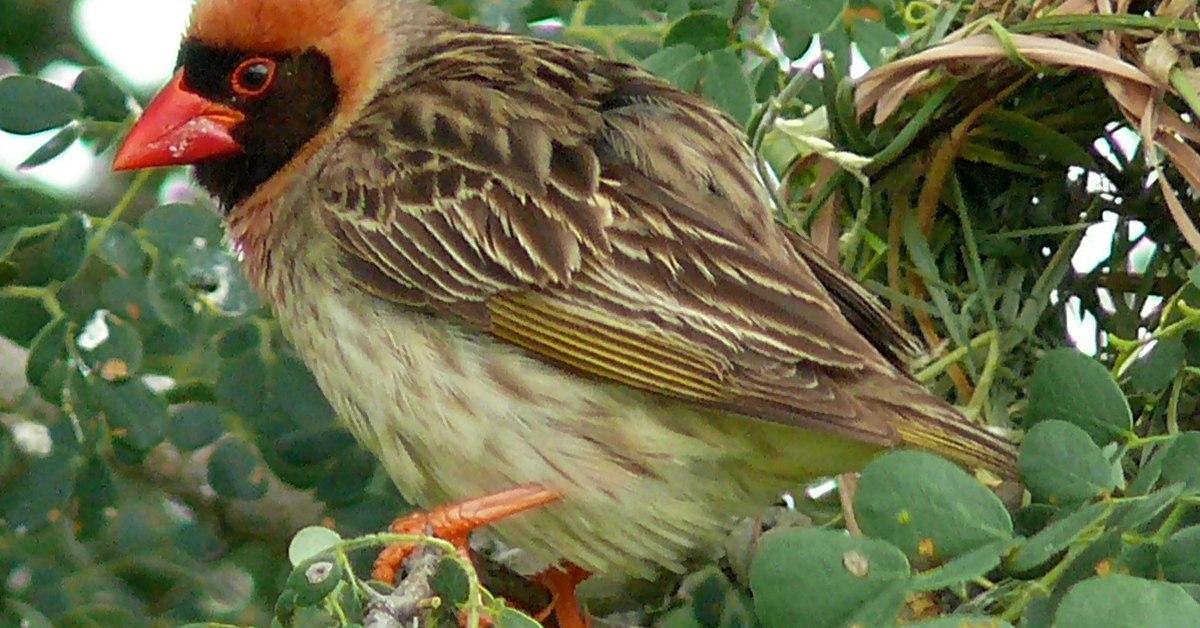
point(544, 287)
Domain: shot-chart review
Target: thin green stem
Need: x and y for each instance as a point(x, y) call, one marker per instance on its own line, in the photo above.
point(928, 373)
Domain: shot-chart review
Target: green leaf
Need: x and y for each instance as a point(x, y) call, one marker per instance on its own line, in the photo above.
point(241, 383)
point(1136, 512)
point(235, 471)
point(1069, 386)
point(827, 577)
point(102, 98)
point(1060, 464)
point(874, 41)
point(1126, 602)
point(195, 425)
point(68, 249)
point(1180, 556)
point(928, 507)
point(167, 294)
point(311, 542)
point(512, 618)
point(449, 581)
point(314, 579)
point(726, 86)
point(1038, 138)
point(796, 21)
point(962, 569)
point(1179, 462)
point(1053, 539)
point(136, 414)
point(176, 226)
point(53, 147)
point(49, 346)
point(704, 30)
point(347, 477)
point(30, 105)
point(680, 65)
point(791, 21)
point(1155, 370)
point(121, 249)
point(27, 207)
point(216, 279)
point(110, 347)
point(30, 500)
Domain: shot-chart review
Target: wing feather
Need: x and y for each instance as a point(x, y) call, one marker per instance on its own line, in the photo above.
point(607, 223)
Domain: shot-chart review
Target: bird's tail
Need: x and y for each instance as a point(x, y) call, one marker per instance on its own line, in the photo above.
point(927, 422)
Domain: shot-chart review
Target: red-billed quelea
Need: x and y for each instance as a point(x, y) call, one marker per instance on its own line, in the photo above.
point(535, 280)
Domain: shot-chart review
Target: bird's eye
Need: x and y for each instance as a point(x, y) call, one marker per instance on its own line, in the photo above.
point(252, 77)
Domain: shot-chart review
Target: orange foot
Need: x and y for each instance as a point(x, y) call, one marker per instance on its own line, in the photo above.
point(455, 522)
point(561, 581)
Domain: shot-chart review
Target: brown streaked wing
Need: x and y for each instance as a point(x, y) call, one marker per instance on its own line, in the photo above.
point(598, 219)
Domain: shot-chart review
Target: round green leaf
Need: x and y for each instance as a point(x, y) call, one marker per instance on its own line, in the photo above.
point(313, 446)
point(1126, 602)
point(48, 347)
point(136, 414)
point(1179, 462)
point(1180, 556)
point(68, 249)
point(111, 347)
point(314, 579)
point(449, 581)
point(28, 501)
point(826, 577)
point(102, 98)
point(928, 507)
point(30, 105)
point(512, 618)
point(215, 278)
point(1155, 370)
point(235, 471)
point(1060, 464)
point(704, 30)
point(726, 86)
point(241, 383)
point(680, 64)
point(167, 294)
point(311, 542)
point(792, 22)
point(176, 226)
point(1069, 386)
point(195, 425)
point(27, 207)
point(121, 249)
point(347, 478)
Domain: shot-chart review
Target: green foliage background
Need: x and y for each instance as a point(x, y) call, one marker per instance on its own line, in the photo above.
point(161, 445)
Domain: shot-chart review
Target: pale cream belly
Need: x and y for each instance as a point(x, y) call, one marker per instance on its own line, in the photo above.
point(648, 483)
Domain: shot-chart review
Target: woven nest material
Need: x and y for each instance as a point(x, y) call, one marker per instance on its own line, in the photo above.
point(1144, 70)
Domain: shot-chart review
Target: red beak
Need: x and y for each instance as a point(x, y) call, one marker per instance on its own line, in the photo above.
point(177, 128)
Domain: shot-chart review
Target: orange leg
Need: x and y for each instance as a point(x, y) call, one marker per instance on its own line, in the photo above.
point(563, 604)
point(455, 522)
